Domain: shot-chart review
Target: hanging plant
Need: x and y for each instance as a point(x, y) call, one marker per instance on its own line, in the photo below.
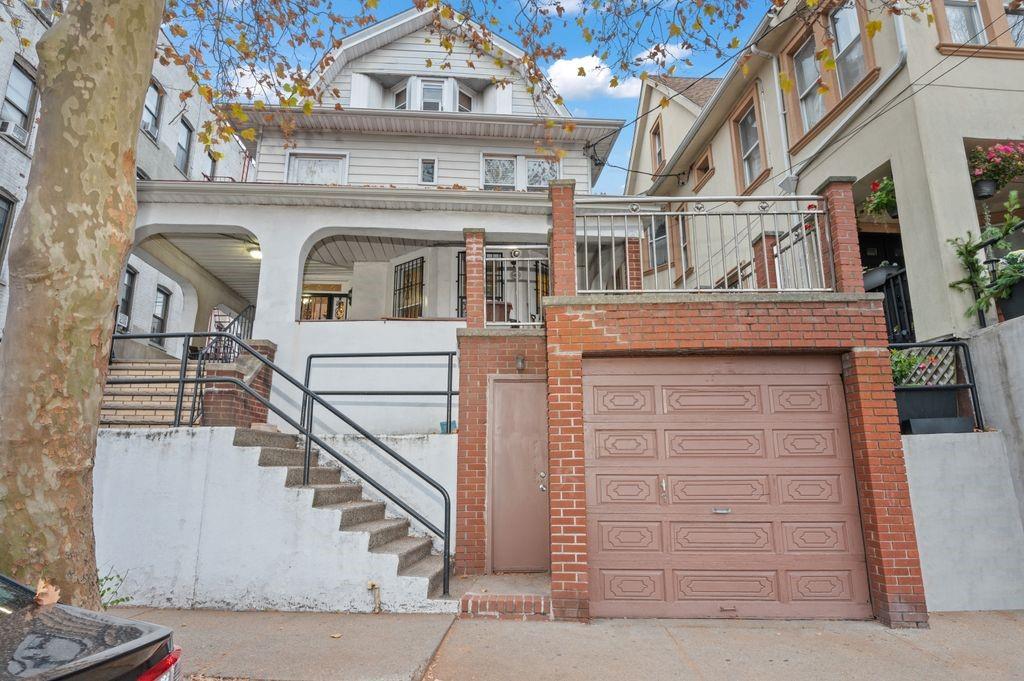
point(882, 199)
point(995, 167)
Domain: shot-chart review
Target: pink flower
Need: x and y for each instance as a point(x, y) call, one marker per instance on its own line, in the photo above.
point(978, 171)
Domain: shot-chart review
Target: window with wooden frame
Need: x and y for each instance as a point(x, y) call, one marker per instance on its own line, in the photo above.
point(817, 95)
point(990, 28)
point(702, 171)
point(657, 146)
point(655, 244)
point(750, 159)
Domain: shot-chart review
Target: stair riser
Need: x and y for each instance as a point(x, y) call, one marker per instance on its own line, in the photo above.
point(408, 558)
point(383, 536)
point(258, 438)
point(364, 514)
point(317, 476)
point(336, 495)
point(279, 456)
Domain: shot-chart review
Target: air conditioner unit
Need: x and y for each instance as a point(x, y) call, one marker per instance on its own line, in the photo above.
point(122, 322)
point(14, 131)
point(150, 127)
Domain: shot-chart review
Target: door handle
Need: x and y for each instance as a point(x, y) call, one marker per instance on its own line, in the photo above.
point(543, 487)
point(664, 489)
point(721, 511)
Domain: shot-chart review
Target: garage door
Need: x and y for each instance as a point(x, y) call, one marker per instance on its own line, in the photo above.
point(721, 487)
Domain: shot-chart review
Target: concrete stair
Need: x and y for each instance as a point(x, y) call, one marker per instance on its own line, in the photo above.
point(143, 405)
point(331, 491)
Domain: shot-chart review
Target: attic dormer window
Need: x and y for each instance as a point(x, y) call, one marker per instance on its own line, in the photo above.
point(401, 98)
point(432, 95)
point(465, 101)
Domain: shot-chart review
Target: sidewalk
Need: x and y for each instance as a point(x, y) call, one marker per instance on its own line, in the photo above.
point(300, 646)
point(959, 646)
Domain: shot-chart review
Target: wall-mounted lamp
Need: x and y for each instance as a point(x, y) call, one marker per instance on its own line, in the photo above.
point(254, 252)
point(520, 364)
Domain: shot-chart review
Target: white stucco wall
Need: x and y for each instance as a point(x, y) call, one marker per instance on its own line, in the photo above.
point(191, 521)
point(969, 529)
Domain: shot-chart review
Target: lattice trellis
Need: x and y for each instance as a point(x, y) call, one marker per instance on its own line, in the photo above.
point(936, 365)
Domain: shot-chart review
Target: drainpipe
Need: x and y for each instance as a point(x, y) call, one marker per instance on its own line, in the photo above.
point(786, 185)
point(901, 41)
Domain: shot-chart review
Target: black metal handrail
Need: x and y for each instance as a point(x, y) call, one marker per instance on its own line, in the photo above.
point(899, 315)
point(968, 373)
point(219, 350)
point(314, 398)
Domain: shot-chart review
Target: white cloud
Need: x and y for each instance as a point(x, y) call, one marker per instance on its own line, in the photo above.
point(564, 76)
point(664, 53)
point(569, 7)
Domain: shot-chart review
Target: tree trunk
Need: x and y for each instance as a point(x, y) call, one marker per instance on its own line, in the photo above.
point(69, 244)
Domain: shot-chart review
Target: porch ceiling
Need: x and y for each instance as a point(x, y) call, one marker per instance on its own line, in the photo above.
point(343, 251)
point(225, 257)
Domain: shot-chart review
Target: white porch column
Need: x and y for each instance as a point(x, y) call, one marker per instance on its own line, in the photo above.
point(280, 280)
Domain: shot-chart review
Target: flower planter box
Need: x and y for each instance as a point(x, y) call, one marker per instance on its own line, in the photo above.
point(1013, 306)
point(931, 411)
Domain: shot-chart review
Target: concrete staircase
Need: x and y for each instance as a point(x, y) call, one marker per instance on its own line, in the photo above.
point(332, 493)
point(143, 405)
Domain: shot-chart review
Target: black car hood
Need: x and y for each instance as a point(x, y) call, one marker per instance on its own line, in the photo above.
point(56, 641)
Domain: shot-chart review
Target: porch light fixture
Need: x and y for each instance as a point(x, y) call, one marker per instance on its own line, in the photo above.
point(520, 364)
point(254, 252)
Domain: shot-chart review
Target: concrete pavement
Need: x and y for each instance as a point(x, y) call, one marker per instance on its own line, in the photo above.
point(959, 646)
point(300, 646)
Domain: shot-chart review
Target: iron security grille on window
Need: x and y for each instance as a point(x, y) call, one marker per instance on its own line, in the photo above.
point(408, 302)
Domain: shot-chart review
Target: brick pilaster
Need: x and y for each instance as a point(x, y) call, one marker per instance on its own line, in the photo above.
point(634, 265)
point(890, 541)
point(842, 233)
point(474, 280)
point(225, 404)
point(563, 237)
point(765, 273)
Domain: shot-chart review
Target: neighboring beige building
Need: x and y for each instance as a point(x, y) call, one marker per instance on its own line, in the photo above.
point(674, 104)
point(908, 103)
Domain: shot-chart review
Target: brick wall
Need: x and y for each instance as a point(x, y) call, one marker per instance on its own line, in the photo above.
point(481, 354)
point(225, 404)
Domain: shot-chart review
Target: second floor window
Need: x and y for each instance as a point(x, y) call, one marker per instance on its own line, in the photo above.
point(465, 101)
point(1016, 19)
point(6, 220)
point(161, 308)
point(657, 145)
point(401, 98)
point(850, 63)
point(812, 101)
point(183, 154)
point(539, 172)
point(316, 169)
point(965, 23)
point(125, 300)
point(500, 172)
point(151, 111)
point(19, 100)
point(211, 166)
point(749, 145)
point(432, 95)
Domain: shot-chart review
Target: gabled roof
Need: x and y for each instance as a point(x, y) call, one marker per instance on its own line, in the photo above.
point(697, 90)
point(397, 26)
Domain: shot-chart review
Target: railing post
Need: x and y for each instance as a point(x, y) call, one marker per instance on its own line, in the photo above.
point(765, 273)
point(448, 417)
point(476, 315)
point(182, 370)
point(845, 262)
point(563, 237)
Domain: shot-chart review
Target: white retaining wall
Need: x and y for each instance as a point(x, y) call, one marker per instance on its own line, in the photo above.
point(969, 531)
point(192, 521)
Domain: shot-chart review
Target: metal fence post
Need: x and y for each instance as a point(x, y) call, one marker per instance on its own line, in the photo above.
point(183, 368)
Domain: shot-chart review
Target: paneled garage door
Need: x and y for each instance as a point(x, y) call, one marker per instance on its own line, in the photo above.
point(721, 487)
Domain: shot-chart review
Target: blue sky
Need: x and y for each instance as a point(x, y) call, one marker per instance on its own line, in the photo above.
point(591, 97)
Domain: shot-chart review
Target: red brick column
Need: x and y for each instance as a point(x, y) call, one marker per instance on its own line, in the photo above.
point(483, 353)
point(764, 261)
point(842, 234)
point(634, 265)
point(563, 237)
point(890, 542)
point(225, 404)
point(474, 280)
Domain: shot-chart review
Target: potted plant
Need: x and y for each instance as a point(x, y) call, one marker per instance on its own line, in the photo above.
point(882, 199)
point(993, 168)
point(1001, 285)
point(1007, 287)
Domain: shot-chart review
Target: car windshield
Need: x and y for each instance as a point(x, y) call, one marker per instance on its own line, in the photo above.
point(12, 598)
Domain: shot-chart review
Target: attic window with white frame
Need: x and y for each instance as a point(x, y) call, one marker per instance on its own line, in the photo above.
point(500, 172)
point(428, 171)
point(432, 95)
point(465, 101)
point(317, 168)
point(401, 99)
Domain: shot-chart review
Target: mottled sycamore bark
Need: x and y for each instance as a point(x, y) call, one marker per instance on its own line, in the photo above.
point(68, 247)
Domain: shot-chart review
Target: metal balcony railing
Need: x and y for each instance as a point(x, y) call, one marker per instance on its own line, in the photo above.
point(516, 279)
point(735, 243)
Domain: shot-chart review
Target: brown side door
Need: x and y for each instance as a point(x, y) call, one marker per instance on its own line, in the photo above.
point(518, 449)
point(721, 487)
